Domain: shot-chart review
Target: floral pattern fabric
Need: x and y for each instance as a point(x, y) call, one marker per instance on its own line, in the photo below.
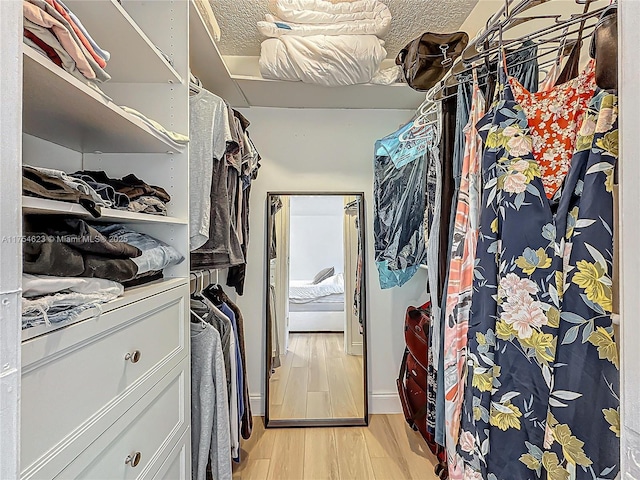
point(460, 284)
point(541, 399)
point(554, 115)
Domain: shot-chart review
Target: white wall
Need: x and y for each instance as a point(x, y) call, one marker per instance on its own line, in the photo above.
point(325, 150)
point(316, 235)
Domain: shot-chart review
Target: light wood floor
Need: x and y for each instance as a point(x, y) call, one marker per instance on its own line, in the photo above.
point(317, 379)
point(385, 450)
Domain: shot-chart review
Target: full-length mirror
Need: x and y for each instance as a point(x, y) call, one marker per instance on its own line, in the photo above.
point(316, 341)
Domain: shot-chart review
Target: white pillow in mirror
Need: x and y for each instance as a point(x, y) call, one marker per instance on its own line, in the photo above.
point(323, 275)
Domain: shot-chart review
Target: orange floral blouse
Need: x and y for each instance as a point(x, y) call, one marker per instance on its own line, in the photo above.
point(554, 118)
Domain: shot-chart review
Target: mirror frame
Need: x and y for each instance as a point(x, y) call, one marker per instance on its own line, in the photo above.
point(310, 422)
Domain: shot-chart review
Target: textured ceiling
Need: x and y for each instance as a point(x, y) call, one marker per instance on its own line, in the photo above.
point(237, 19)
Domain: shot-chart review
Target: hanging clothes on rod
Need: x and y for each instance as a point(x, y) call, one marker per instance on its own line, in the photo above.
point(561, 304)
point(210, 432)
point(210, 304)
point(223, 164)
point(527, 380)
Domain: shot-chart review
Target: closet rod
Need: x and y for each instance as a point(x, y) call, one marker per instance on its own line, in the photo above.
point(508, 16)
point(466, 77)
point(201, 279)
point(471, 54)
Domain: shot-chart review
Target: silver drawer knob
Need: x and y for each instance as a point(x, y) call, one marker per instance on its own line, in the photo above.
point(134, 356)
point(133, 459)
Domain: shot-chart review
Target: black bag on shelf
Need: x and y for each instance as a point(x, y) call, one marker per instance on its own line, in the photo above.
point(426, 59)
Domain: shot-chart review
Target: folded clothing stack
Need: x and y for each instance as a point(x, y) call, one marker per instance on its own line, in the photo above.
point(95, 189)
point(57, 185)
point(175, 139)
point(70, 247)
point(52, 29)
point(53, 300)
point(141, 196)
point(57, 250)
point(325, 43)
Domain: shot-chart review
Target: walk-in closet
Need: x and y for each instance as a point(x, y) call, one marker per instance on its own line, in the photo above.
point(319, 239)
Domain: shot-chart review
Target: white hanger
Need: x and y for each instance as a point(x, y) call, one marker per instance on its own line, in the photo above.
point(204, 324)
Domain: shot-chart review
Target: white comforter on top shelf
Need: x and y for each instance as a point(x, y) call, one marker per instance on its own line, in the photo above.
point(330, 61)
point(319, 17)
point(322, 11)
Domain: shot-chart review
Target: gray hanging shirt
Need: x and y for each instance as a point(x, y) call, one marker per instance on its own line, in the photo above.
point(209, 132)
point(210, 434)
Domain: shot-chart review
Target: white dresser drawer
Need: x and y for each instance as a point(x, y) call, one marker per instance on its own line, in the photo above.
point(177, 466)
point(139, 443)
point(76, 381)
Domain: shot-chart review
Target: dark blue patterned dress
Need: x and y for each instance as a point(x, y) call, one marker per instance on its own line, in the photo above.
point(541, 398)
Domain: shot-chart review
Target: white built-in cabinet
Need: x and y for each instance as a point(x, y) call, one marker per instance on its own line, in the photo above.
point(10, 225)
point(107, 396)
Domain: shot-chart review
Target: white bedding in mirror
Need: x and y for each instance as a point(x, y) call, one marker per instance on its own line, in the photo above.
point(304, 291)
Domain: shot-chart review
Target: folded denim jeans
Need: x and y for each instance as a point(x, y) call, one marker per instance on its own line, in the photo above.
point(155, 256)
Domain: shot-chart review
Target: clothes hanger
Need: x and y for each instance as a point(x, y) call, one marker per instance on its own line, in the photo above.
point(562, 38)
point(510, 10)
point(438, 96)
point(465, 76)
point(214, 308)
point(199, 283)
point(473, 54)
point(214, 291)
point(512, 19)
point(194, 89)
point(564, 48)
point(424, 117)
point(195, 85)
point(507, 11)
point(424, 107)
point(199, 318)
point(513, 23)
point(572, 66)
point(193, 288)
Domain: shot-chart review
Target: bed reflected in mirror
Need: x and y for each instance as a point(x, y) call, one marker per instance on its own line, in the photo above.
point(316, 342)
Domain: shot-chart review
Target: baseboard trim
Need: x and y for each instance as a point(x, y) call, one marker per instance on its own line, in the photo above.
point(302, 332)
point(385, 403)
point(357, 348)
point(257, 405)
point(379, 403)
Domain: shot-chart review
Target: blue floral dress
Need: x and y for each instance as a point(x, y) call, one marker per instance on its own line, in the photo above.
point(541, 398)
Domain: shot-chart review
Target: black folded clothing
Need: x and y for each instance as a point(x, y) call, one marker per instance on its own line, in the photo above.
point(68, 247)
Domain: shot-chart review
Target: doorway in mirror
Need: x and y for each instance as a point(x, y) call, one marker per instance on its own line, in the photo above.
point(316, 341)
